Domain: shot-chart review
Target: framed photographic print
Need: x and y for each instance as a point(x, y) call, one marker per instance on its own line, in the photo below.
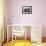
point(26, 9)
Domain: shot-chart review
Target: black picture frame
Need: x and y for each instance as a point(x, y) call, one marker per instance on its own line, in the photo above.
point(26, 9)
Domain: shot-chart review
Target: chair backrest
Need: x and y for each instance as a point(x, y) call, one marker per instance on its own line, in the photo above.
point(18, 30)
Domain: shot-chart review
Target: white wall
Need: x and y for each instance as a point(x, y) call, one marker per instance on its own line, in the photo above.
point(38, 15)
point(1, 21)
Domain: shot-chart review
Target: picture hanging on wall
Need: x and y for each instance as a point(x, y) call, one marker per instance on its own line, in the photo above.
point(26, 9)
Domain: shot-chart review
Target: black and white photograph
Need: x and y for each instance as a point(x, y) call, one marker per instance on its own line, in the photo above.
point(26, 9)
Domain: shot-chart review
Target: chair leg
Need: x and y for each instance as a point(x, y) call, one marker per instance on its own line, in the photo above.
point(12, 36)
point(25, 38)
point(2, 44)
point(15, 38)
